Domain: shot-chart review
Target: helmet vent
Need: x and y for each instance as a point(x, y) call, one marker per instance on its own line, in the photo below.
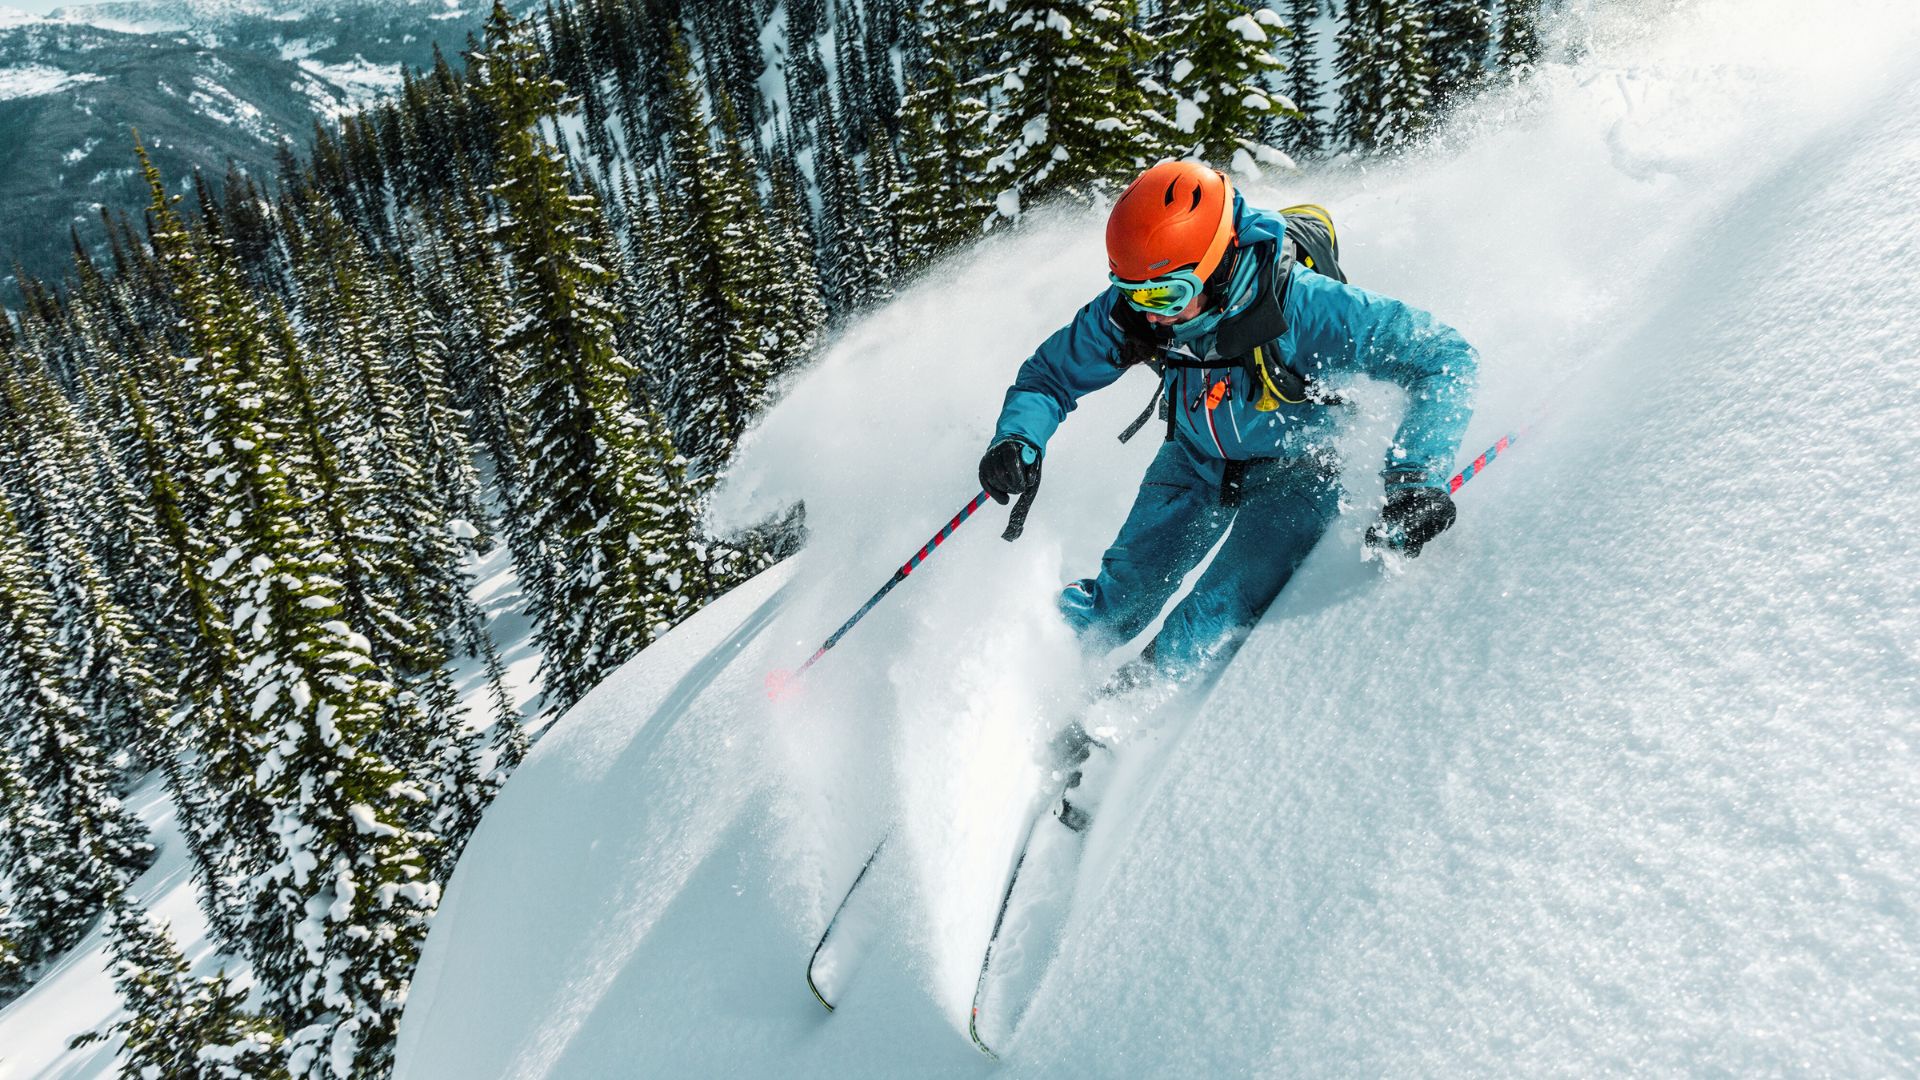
point(1196, 198)
point(1171, 184)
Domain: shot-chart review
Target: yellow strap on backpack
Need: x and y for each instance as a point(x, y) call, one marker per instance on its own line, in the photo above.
point(1270, 395)
point(1314, 210)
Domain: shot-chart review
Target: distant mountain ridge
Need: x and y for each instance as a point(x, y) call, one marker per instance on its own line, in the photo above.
point(206, 82)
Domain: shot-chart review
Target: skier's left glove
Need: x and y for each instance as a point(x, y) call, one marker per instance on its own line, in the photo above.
point(1413, 516)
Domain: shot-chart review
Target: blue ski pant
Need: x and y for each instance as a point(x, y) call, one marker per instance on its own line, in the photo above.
point(1283, 508)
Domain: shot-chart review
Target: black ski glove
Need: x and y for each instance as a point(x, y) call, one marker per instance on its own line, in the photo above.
point(1412, 517)
point(1011, 467)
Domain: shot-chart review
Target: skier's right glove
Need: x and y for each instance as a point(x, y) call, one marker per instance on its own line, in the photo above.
point(1011, 466)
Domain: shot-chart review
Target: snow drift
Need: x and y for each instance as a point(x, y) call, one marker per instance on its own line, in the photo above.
point(1620, 777)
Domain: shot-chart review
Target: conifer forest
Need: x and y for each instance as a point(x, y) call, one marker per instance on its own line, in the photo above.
point(252, 444)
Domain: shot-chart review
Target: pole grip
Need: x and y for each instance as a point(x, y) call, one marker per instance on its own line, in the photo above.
point(1017, 520)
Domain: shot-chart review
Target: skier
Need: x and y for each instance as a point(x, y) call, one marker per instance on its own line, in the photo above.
point(1249, 322)
point(1247, 319)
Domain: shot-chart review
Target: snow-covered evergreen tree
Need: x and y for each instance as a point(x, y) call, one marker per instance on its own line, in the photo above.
point(1459, 37)
point(13, 968)
point(65, 839)
point(802, 307)
point(606, 493)
point(942, 200)
point(1386, 78)
point(859, 267)
point(177, 1026)
point(1222, 72)
point(215, 796)
point(338, 898)
point(1519, 34)
point(1056, 109)
point(103, 652)
point(1302, 132)
point(418, 349)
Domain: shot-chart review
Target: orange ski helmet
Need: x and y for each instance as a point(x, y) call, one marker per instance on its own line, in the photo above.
point(1177, 216)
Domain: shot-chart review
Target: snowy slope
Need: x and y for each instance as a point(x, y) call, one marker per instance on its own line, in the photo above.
point(1620, 778)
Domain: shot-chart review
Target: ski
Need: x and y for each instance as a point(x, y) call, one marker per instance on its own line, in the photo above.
point(999, 920)
point(1028, 925)
point(817, 972)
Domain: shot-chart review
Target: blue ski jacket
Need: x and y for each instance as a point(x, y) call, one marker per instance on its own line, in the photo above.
point(1334, 332)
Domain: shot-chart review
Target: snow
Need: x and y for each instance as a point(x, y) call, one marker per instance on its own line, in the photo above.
point(1618, 778)
point(39, 80)
point(1248, 28)
point(1186, 114)
point(359, 80)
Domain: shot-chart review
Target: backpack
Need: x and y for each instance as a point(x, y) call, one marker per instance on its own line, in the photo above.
point(1249, 338)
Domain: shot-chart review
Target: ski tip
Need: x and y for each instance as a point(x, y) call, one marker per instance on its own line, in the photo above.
point(973, 1029)
point(817, 995)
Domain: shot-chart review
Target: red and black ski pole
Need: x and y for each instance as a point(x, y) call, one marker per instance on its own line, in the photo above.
point(778, 681)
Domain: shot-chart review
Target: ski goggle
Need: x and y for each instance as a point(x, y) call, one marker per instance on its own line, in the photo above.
point(1168, 294)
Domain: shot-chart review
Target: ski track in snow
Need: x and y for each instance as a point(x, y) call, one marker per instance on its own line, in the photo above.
point(1619, 778)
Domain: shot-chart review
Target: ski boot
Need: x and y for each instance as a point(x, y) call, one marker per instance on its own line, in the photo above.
point(1072, 752)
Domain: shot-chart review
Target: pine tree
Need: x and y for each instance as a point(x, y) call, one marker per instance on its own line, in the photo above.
point(859, 271)
point(942, 201)
point(125, 537)
point(885, 27)
point(1220, 84)
point(1519, 34)
point(1057, 109)
point(743, 314)
point(605, 494)
point(208, 721)
point(65, 840)
point(1385, 75)
point(806, 19)
point(104, 656)
point(177, 1026)
point(850, 62)
point(801, 306)
point(338, 898)
point(421, 357)
point(1304, 131)
point(340, 406)
point(807, 97)
point(1460, 36)
point(13, 968)
point(730, 34)
point(471, 284)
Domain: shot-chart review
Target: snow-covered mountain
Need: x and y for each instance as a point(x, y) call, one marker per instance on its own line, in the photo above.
point(1618, 778)
point(204, 83)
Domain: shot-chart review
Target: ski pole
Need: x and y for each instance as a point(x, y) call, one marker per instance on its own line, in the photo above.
point(777, 681)
point(1479, 464)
